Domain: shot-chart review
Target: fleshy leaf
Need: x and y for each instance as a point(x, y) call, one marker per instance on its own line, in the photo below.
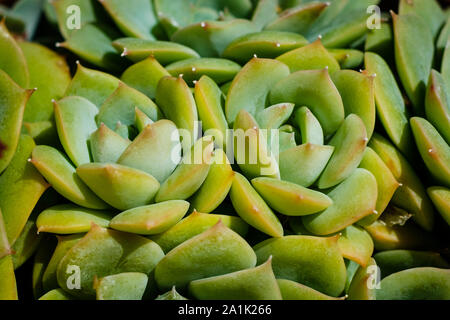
point(13, 100)
point(156, 150)
point(75, 121)
point(120, 186)
point(60, 173)
point(196, 258)
point(252, 209)
point(152, 219)
point(68, 219)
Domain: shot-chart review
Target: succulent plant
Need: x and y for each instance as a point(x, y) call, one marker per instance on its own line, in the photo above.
point(218, 149)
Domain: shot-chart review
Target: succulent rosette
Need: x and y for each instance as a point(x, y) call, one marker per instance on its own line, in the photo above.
point(225, 149)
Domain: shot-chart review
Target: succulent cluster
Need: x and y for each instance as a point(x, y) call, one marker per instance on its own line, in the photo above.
point(226, 149)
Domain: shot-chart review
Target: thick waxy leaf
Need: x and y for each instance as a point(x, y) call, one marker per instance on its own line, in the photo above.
point(428, 10)
point(311, 261)
point(164, 51)
point(56, 295)
point(264, 44)
point(156, 150)
point(437, 105)
point(75, 121)
point(341, 23)
point(346, 34)
point(210, 38)
point(386, 183)
point(434, 150)
point(348, 58)
point(144, 76)
point(177, 103)
point(416, 284)
point(41, 260)
point(197, 258)
point(441, 42)
point(21, 186)
point(250, 88)
point(7, 280)
point(315, 90)
point(65, 243)
point(298, 19)
point(352, 268)
point(60, 173)
point(311, 57)
point(216, 185)
point(13, 100)
point(106, 145)
point(220, 70)
point(96, 86)
point(121, 104)
point(135, 18)
point(120, 186)
point(380, 41)
point(353, 199)
point(275, 116)
point(208, 99)
point(356, 244)
point(257, 283)
point(252, 209)
point(141, 120)
point(313, 158)
point(252, 148)
point(441, 199)
point(336, 18)
point(287, 141)
point(291, 290)
point(179, 13)
point(93, 44)
point(42, 132)
point(103, 252)
point(195, 224)
point(289, 198)
point(265, 12)
point(49, 74)
point(350, 142)
point(152, 219)
point(357, 93)
point(390, 105)
point(190, 173)
point(26, 244)
point(445, 67)
point(393, 261)
point(68, 219)
point(12, 60)
point(5, 247)
point(25, 16)
point(359, 288)
point(123, 130)
point(226, 87)
point(413, 59)
point(122, 286)
point(310, 128)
